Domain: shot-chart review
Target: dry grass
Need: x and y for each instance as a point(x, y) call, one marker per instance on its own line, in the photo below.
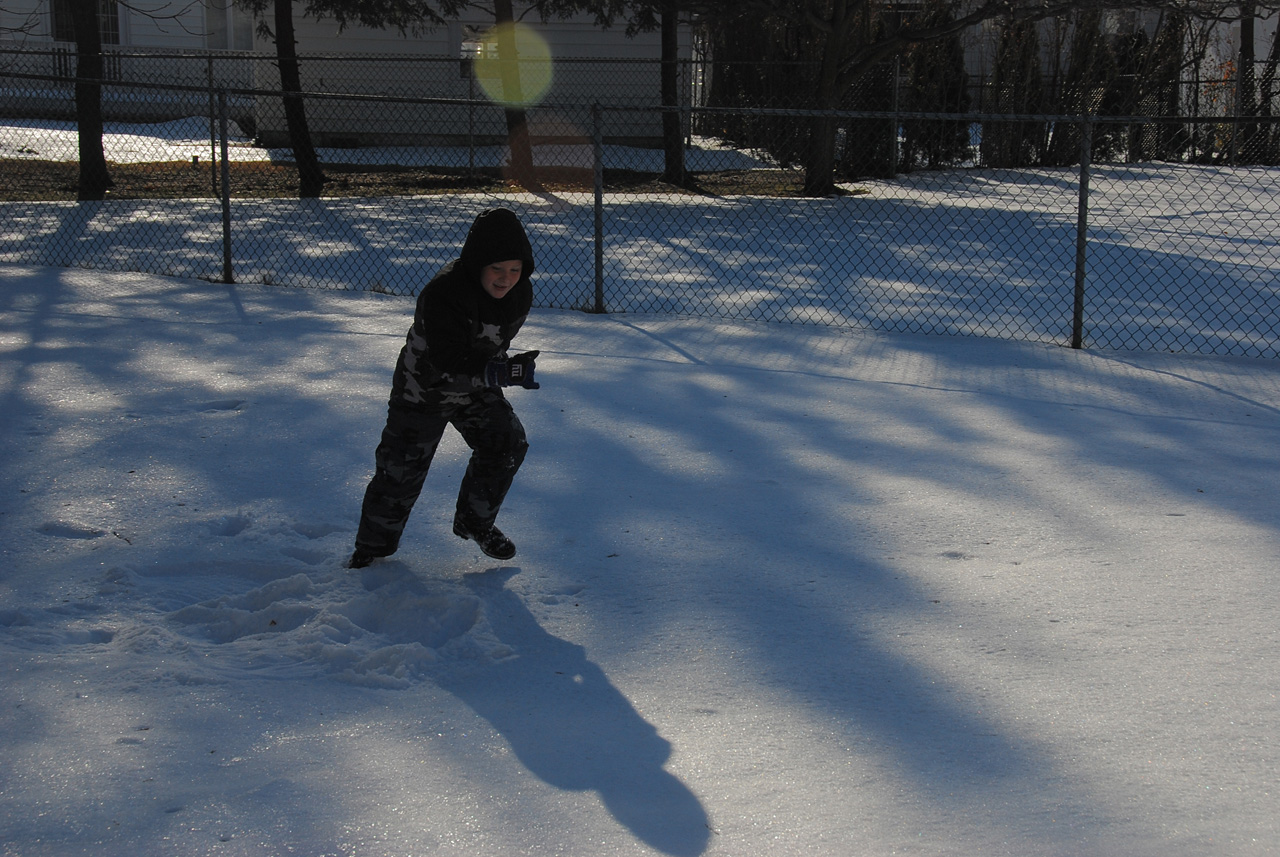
point(30, 180)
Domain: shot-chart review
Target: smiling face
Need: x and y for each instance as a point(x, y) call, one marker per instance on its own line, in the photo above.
point(500, 278)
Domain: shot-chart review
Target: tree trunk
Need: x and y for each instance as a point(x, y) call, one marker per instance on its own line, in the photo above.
point(820, 160)
point(311, 178)
point(94, 178)
point(1267, 86)
point(843, 22)
point(672, 127)
point(1246, 89)
point(522, 170)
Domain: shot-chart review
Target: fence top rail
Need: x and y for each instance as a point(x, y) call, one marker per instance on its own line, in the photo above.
point(144, 51)
point(902, 115)
point(135, 52)
point(1072, 118)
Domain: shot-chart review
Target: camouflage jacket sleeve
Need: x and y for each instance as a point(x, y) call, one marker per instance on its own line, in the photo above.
point(449, 345)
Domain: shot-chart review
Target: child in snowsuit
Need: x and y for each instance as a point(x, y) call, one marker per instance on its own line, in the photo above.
point(450, 371)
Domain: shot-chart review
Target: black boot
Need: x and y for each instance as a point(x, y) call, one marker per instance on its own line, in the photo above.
point(490, 539)
point(361, 558)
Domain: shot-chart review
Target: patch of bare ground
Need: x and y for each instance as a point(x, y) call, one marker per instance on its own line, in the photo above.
point(33, 180)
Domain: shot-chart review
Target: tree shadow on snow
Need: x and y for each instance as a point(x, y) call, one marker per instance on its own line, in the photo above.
point(570, 726)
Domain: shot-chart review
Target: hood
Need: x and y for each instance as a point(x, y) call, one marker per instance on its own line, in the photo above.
point(496, 236)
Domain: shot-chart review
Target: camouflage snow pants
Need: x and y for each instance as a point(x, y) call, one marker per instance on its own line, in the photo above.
point(490, 427)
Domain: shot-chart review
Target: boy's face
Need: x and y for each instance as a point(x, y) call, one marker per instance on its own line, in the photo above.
point(499, 278)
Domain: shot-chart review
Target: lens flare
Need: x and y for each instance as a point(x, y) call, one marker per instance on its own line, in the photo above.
point(519, 81)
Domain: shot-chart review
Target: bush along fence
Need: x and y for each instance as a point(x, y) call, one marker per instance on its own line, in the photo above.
point(1176, 255)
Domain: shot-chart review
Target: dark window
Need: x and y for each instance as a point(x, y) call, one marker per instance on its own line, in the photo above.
point(108, 16)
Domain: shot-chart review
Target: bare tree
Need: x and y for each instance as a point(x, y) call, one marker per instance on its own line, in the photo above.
point(522, 169)
point(1161, 91)
point(311, 177)
point(1266, 92)
point(1246, 148)
point(94, 181)
point(1090, 69)
point(407, 16)
point(87, 27)
point(1016, 88)
point(32, 21)
point(665, 17)
point(937, 82)
point(848, 44)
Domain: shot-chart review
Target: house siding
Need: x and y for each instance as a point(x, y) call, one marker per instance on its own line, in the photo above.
point(355, 60)
point(430, 66)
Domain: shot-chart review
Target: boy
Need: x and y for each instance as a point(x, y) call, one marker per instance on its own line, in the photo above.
point(450, 372)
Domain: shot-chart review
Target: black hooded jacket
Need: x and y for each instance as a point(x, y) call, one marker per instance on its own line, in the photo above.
point(458, 327)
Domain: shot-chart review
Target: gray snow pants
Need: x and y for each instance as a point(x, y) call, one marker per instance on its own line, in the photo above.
point(489, 426)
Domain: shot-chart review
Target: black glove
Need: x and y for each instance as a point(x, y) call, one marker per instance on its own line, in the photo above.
point(521, 368)
point(514, 371)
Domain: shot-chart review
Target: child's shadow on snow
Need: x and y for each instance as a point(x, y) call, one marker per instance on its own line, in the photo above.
point(570, 726)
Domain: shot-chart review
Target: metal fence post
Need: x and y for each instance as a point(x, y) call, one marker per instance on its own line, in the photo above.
point(226, 189)
point(471, 117)
point(597, 145)
point(213, 132)
point(894, 122)
point(1082, 231)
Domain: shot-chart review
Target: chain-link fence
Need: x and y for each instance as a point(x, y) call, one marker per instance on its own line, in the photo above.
point(1176, 256)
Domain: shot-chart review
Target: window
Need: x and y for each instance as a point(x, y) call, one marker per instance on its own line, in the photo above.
point(473, 48)
point(1120, 22)
point(227, 27)
point(64, 18)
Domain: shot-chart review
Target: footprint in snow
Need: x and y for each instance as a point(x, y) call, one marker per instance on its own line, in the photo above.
point(220, 405)
point(564, 593)
point(231, 525)
point(310, 557)
point(317, 530)
point(70, 530)
point(277, 607)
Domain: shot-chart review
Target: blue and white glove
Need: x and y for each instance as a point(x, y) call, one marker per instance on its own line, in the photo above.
point(515, 371)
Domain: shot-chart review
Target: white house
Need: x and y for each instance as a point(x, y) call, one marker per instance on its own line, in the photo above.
point(211, 43)
point(565, 66)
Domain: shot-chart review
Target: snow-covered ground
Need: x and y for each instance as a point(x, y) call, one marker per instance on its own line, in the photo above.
point(181, 140)
point(1179, 257)
point(781, 590)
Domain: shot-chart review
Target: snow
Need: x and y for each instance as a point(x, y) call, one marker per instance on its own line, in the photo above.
point(1179, 256)
point(192, 137)
point(781, 590)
